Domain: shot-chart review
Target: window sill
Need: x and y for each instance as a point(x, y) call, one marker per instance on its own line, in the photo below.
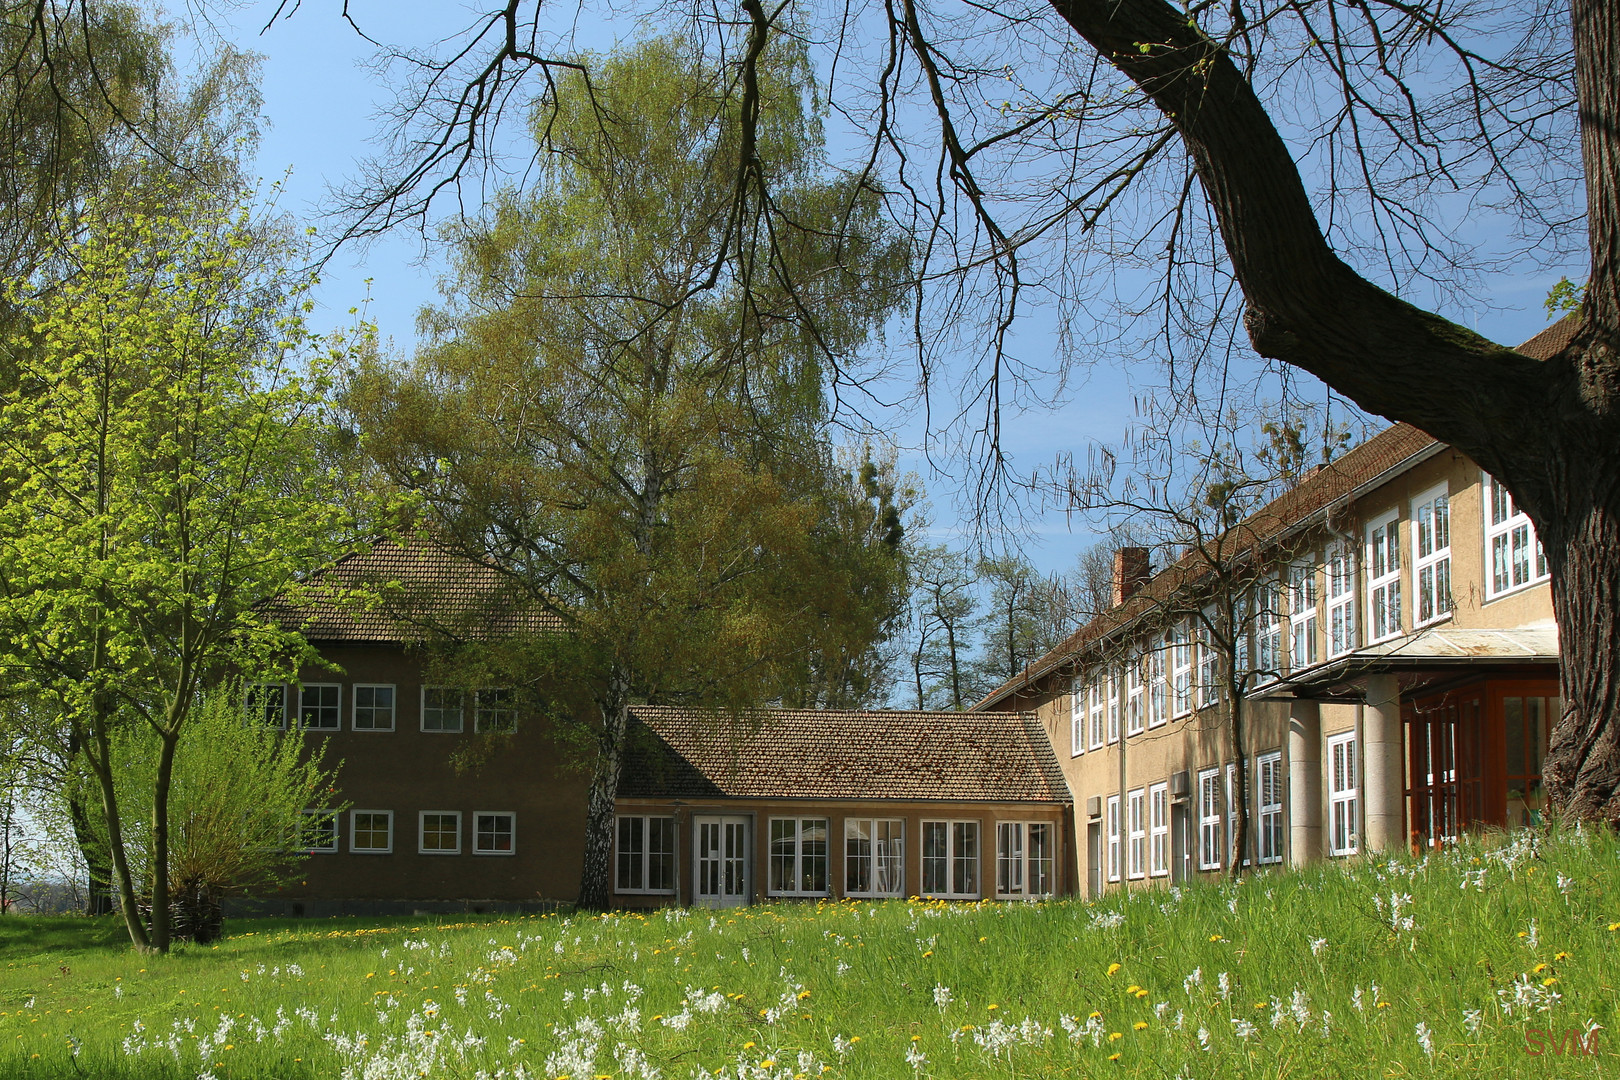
point(1516, 590)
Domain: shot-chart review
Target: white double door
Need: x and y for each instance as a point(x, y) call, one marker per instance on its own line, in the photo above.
point(722, 861)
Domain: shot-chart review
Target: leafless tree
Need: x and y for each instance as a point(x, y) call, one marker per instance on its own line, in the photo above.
point(1292, 172)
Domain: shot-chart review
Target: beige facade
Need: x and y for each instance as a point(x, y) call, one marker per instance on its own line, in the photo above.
point(1403, 663)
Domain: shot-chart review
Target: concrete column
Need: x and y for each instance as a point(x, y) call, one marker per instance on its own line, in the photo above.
point(1304, 782)
point(1383, 775)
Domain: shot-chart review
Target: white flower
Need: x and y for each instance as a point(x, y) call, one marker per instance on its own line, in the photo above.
point(942, 996)
point(1318, 946)
point(1195, 979)
point(1471, 1020)
point(1425, 1038)
point(1242, 1028)
point(915, 1057)
point(1203, 1038)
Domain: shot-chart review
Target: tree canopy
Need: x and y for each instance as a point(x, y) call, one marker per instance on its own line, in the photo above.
point(634, 432)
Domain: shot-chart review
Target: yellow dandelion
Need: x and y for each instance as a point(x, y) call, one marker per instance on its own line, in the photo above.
point(1140, 1025)
point(966, 1028)
point(1095, 1015)
point(992, 1006)
point(1114, 1036)
point(1141, 993)
point(1548, 982)
point(916, 1038)
point(1215, 937)
point(1383, 1004)
point(1133, 988)
point(748, 1046)
point(854, 1038)
point(1113, 1057)
point(927, 954)
point(1113, 969)
point(1612, 928)
point(1561, 956)
point(1538, 969)
point(768, 1063)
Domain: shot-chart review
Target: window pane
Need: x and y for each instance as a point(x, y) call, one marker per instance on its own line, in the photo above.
point(784, 849)
point(936, 845)
point(857, 855)
point(493, 833)
point(630, 852)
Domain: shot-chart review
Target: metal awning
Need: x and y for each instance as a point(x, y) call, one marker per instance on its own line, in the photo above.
point(1436, 651)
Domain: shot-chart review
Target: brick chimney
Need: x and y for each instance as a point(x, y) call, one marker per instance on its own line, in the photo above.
point(1132, 568)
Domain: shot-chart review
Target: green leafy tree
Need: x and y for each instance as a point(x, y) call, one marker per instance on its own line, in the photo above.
point(238, 797)
point(621, 404)
point(944, 628)
point(158, 448)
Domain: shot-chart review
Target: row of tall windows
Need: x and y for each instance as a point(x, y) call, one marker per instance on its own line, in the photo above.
point(1173, 672)
point(375, 706)
point(438, 832)
point(798, 863)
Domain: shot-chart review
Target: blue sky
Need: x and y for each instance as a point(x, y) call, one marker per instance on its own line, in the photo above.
point(321, 103)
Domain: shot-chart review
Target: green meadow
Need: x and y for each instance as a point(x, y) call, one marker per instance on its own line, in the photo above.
point(1499, 957)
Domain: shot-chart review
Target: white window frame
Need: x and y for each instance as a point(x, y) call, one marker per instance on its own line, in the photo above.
point(500, 706)
point(894, 856)
point(249, 706)
point(1383, 563)
point(421, 832)
point(460, 710)
point(1181, 670)
point(1431, 556)
point(1508, 532)
point(1344, 794)
point(1020, 871)
point(1271, 833)
point(1135, 696)
point(355, 706)
point(1302, 603)
point(336, 706)
point(1232, 854)
point(643, 859)
point(1268, 624)
point(1209, 819)
point(1114, 840)
point(1115, 706)
point(1209, 663)
point(354, 829)
point(1099, 710)
point(1158, 689)
point(511, 819)
point(1159, 830)
point(331, 819)
point(1136, 834)
point(1341, 599)
point(1078, 694)
point(954, 859)
point(799, 855)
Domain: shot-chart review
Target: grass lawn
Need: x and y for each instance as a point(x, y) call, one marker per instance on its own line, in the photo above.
point(1477, 962)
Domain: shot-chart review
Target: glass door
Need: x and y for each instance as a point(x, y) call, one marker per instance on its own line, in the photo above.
point(722, 861)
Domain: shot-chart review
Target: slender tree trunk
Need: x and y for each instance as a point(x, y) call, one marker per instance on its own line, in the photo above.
point(161, 921)
point(101, 764)
point(595, 883)
point(956, 667)
point(98, 867)
point(1240, 834)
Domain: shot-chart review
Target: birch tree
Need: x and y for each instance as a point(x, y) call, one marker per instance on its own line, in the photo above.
point(620, 401)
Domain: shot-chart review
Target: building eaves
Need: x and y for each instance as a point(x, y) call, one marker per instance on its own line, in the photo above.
point(1387, 454)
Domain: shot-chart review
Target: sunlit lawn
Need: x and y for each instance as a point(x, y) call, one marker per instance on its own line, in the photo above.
point(1447, 967)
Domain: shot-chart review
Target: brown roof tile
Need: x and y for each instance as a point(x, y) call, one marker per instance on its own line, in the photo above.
point(832, 754)
point(397, 593)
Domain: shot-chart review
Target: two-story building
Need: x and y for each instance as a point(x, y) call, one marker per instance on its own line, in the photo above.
point(453, 798)
point(1403, 677)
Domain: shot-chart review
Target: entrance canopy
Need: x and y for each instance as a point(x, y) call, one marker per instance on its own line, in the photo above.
point(1423, 660)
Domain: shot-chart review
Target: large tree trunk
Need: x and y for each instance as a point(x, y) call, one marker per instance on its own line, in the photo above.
point(1582, 772)
point(596, 878)
point(1549, 429)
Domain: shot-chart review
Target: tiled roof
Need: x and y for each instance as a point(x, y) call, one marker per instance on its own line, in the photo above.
point(832, 754)
point(396, 593)
point(1396, 445)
